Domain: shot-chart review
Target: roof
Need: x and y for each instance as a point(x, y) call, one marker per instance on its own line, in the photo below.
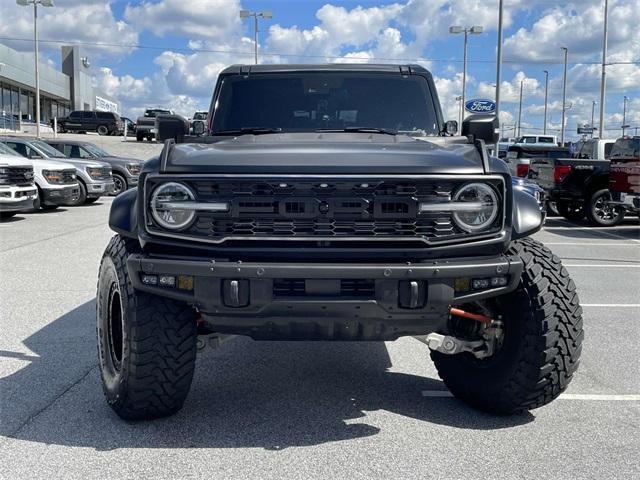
point(325, 67)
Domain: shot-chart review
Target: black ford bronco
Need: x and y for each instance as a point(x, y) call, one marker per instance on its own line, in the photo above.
point(332, 202)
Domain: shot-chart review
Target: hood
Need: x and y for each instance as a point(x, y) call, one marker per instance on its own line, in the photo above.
point(46, 164)
point(13, 161)
point(322, 153)
point(120, 160)
point(85, 163)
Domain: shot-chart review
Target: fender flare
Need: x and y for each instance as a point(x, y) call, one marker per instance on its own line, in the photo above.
point(123, 217)
point(527, 216)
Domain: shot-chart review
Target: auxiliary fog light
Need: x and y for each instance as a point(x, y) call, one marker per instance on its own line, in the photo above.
point(483, 283)
point(167, 281)
point(150, 279)
point(185, 282)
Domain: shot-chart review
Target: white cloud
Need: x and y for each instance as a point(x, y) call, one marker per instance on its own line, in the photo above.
point(88, 21)
point(510, 90)
point(203, 19)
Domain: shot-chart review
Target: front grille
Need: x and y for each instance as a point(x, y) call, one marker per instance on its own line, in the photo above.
point(325, 209)
point(19, 176)
point(68, 176)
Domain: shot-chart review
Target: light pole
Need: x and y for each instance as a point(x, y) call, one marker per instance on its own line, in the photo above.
point(35, 3)
point(475, 30)
point(593, 109)
point(499, 59)
point(546, 97)
point(624, 114)
point(564, 93)
point(255, 15)
point(603, 81)
point(520, 110)
point(459, 100)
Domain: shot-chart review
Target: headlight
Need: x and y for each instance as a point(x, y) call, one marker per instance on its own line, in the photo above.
point(485, 209)
point(95, 172)
point(52, 176)
point(133, 168)
point(165, 205)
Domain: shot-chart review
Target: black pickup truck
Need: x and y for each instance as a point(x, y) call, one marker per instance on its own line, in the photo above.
point(579, 186)
point(307, 211)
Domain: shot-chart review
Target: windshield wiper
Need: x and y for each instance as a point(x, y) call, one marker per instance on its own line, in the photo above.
point(385, 131)
point(249, 130)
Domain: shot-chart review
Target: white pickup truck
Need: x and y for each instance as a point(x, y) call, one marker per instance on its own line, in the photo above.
point(17, 190)
point(56, 182)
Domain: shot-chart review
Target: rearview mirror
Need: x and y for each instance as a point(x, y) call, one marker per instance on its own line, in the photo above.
point(451, 127)
point(481, 127)
point(171, 126)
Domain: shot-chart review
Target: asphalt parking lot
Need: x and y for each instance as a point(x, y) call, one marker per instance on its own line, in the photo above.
point(301, 410)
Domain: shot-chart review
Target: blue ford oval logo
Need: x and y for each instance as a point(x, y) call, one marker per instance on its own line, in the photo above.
point(480, 106)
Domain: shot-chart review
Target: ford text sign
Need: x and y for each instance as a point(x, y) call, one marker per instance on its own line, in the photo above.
point(480, 106)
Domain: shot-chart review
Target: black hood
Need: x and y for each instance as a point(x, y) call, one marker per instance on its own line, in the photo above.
point(322, 153)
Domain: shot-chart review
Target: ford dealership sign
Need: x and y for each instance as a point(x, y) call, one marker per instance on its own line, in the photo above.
point(480, 106)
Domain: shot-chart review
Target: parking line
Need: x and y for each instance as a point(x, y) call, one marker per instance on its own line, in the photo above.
point(619, 244)
point(565, 396)
point(609, 265)
point(610, 305)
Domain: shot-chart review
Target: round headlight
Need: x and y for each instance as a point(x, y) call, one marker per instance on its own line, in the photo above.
point(165, 206)
point(485, 209)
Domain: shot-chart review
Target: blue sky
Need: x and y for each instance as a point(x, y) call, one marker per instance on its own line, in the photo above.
point(190, 45)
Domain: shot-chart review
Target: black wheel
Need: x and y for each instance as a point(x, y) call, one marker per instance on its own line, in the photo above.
point(139, 137)
point(149, 138)
point(570, 211)
point(5, 215)
point(81, 197)
point(146, 344)
point(102, 130)
point(541, 345)
point(91, 200)
point(37, 203)
point(120, 184)
point(602, 214)
point(61, 129)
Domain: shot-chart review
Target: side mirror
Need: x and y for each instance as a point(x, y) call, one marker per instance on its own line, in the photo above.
point(198, 128)
point(482, 127)
point(171, 126)
point(451, 127)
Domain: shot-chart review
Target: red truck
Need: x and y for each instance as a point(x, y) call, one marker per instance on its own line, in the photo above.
point(624, 176)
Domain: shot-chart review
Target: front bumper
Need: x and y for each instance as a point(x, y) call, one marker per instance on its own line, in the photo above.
point(280, 300)
point(59, 196)
point(20, 201)
point(100, 189)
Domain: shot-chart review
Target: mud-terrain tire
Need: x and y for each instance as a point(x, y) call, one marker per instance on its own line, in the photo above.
point(542, 341)
point(599, 213)
point(569, 211)
point(146, 343)
point(139, 137)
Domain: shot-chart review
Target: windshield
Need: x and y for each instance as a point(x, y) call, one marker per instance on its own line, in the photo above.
point(47, 149)
point(626, 148)
point(95, 151)
point(155, 113)
point(307, 102)
point(4, 150)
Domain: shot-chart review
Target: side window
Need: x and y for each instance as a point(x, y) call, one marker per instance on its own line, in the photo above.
point(82, 153)
point(67, 151)
point(607, 150)
point(87, 115)
point(57, 146)
point(529, 139)
point(18, 147)
point(31, 153)
point(545, 140)
point(104, 115)
point(76, 115)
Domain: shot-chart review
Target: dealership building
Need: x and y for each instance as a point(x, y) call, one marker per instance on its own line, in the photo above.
point(61, 91)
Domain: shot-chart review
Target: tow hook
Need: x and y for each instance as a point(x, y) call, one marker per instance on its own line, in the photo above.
point(492, 336)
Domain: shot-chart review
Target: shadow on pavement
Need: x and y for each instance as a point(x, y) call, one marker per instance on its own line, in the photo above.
point(14, 219)
point(270, 395)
